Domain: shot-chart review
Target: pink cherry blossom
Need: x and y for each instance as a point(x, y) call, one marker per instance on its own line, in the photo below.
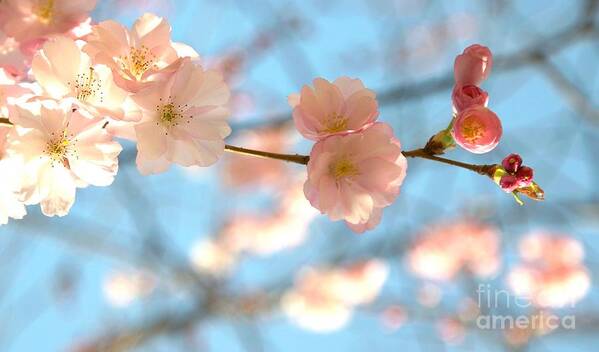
point(62, 150)
point(350, 177)
point(477, 129)
point(63, 70)
point(136, 56)
point(28, 20)
point(473, 66)
point(442, 250)
point(184, 120)
point(552, 273)
point(332, 108)
point(464, 97)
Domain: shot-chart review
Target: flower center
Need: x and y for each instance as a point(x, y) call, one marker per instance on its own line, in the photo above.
point(472, 130)
point(86, 85)
point(336, 123)
point(138, 61)
point(45, 11)
point(60, 148)
point(343, 168)
point(170, 115)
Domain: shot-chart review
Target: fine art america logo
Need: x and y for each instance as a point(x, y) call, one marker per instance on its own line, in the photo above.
point(491, 300)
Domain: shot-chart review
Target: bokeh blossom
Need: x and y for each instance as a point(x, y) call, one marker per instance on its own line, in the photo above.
point(552, 273)
point(351, 177)
point(332, 108)
point(477, 129)
point(442, 250)
point(122, 288)
point(323, 300)
point(62, 150)
point(184, 120)
point(29, 20)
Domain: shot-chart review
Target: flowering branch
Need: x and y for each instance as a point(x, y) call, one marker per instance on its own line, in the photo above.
point(486, 170)
point(294, 158)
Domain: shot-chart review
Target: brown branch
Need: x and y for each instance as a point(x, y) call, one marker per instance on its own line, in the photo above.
point(295, 158)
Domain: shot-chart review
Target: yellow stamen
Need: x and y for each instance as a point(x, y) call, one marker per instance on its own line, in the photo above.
point(138, 61)
point(343, 168)
point(472, 130)
point(336, 123)
point(60, 148)
point(87, 85)
point(45, 11)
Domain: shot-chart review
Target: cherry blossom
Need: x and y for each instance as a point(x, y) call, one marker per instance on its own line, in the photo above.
point(138, 55)
point(332, 108)
point(351, 177)
point(184, 120)
point(63, 70)
point(62, 150)
point(477, 129)
point(28, 20)
point(464, 97)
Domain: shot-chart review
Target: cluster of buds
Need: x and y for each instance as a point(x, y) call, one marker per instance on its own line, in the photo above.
point(515, 178)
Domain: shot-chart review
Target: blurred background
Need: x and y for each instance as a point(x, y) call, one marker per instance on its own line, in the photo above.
point(218, 259)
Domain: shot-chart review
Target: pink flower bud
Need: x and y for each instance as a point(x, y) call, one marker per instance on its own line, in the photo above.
point(508, 183)
point(473, 65)
point(524, 175)
point(477, 129)
point(466, 96)
point(512, 163)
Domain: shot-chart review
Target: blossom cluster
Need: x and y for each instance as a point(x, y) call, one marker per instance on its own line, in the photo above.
point(356, 166)
point(475, 127)
point(69, 87)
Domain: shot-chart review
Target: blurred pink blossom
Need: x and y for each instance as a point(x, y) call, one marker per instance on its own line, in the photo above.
point(351, 177)
point(31, 20)
point(285, 227)
point(332, 108)
point(121, 288)
point(442, 250)
point(552, 273)
point(323, 300)
point(212, 257)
